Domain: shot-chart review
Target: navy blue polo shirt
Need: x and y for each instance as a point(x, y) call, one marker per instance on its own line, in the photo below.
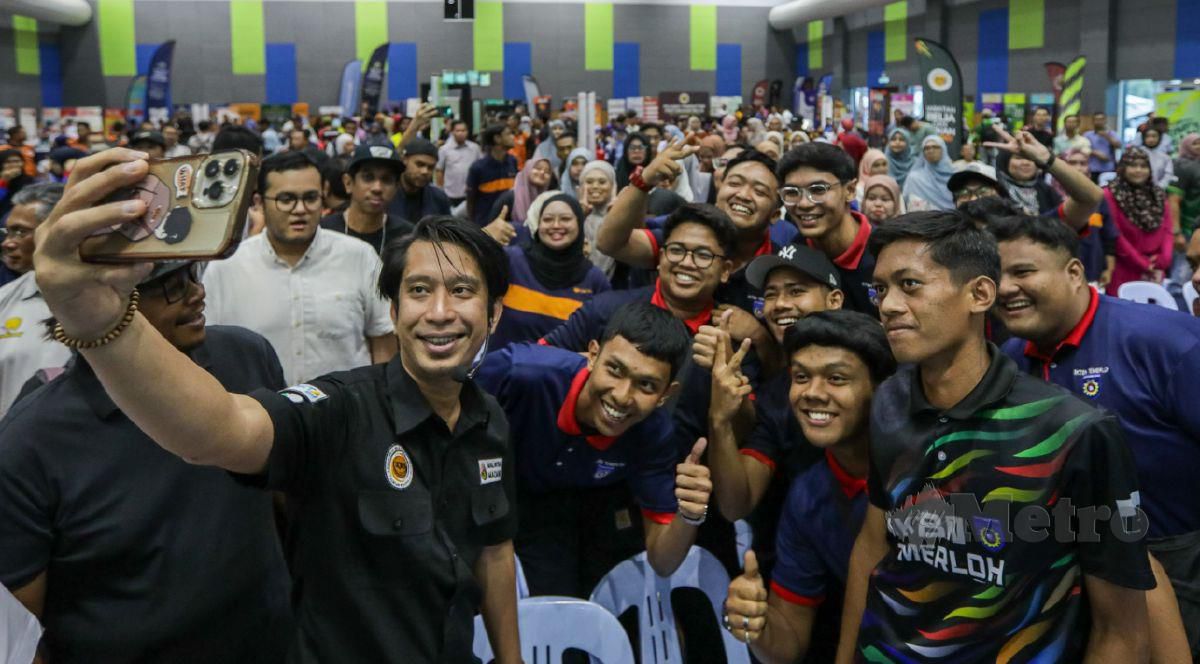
point(736, 290)
point(538, 387)
point(489, 178)
point(821, 517)
point(1141, 363)
point(588, 322)
point(532, 310)
point(856, 269)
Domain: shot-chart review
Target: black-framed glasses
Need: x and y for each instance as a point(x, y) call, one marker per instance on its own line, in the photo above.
point(815, 192)
point(286, 202)
point(676, 252)
point(968, 194)
point(175, 285)
point(15, 233)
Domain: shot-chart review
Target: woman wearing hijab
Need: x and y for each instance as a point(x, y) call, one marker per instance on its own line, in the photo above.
point(597, 194)
point(1161, 166)
point(536, 178)
point(1026, 184)
point(729, 129)
point(926, 187)
point(638, 152)
point(881, 198)
point(1139, 209)
point(899, 155)
point(550, 277)
point(873, 162)
point(756, 131)
point(570, 179)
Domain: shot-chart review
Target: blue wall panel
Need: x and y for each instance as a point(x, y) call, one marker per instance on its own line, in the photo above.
point(729, 69)
point(627, 76)
point(52, 76)
point(280, 79)
point(993, 51)
point(518, 61)
point(875, 57)
point(1187, 39)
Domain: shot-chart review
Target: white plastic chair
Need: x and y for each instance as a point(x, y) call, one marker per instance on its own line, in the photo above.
point(20, 630)
point(1189, 295)
point(551, 625)
point(1147, 292)
point(744, 536)
point(522, 584)
point(633, 583)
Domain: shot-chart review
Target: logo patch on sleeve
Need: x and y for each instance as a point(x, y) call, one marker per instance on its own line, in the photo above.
point(490, 470)
point(298, 393)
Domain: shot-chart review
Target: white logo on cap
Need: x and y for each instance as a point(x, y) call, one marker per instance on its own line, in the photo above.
point(788, 252)
point(381, 152)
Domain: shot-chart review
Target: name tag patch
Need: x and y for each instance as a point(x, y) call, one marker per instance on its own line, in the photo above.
point(304, 391)
point(490, 470)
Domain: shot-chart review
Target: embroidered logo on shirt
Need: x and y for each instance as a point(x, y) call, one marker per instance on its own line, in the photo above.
point(12, 328)
point(606, 468)
point(298, 393)
point(1090, 385)
point(490, 470)
point(399, 468)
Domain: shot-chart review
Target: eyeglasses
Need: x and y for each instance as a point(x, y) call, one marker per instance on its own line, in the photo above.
point(676, 252)
point(720, 162)
point(15, 233)
point(967, 194)
point(175, 285)
point(287, 202)
point(637, 148)
point(814, 192)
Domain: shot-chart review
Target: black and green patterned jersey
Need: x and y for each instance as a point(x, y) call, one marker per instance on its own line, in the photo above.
point(996, 509)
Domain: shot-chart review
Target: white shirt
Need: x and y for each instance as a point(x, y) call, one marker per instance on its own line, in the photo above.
point(179, 150)
point(317, 315)
point(454, 160)
point(23, 350)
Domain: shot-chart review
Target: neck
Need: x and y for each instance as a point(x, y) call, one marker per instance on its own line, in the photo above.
point(361, 221)
point(685, 310)
point(498, 152)
point(583, 408)
point(838, 240)
point(852, 455)
point(948, 378)
point(408, 187)
point(291, 253)
point(1074, 313)
point(443, 395)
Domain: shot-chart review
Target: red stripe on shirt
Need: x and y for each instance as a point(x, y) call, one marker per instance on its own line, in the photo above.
point(793, 598)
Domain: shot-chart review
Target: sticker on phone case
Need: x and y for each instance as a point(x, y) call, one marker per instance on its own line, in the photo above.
point(183, 180)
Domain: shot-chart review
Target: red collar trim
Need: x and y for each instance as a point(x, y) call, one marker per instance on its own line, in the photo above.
point(766, 247)
point(693, 324)
point(851, 486)
point(1074, 338)
point(566, 414)
point(853, 254)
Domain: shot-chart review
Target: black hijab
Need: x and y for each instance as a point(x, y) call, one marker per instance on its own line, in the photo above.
point(624, 167)
point(559, 268)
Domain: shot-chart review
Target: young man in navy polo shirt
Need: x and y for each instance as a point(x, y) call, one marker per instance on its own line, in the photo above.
point(837, 359)
point(579, 424)
point(818, 186)
point(1139, 362)
point(1003, 520)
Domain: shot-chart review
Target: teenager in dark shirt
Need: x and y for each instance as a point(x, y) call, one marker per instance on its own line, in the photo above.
point(492, 175)
point(417, 197)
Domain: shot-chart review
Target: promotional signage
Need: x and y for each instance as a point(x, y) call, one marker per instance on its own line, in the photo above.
point(372, 81)
point(676, 104)
point(158, 79)
point(348, 94)
point(941, 83)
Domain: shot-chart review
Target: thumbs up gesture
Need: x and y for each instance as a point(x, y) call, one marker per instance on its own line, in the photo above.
point(501, 229)
point(746, 604)
point(692, 485)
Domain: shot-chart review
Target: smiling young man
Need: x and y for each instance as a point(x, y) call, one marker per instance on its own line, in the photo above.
point(1136, 361)
point(836, 361)
point(971, 544)
point(398, 537)
point(579, 424)
point(372, 181)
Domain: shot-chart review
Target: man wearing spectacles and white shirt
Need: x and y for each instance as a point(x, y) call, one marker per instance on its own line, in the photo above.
point(311, 292)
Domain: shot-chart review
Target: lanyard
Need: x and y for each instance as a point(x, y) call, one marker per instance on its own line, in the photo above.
point(382, 240)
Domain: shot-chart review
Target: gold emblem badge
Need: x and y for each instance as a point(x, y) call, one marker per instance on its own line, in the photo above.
point(399, 468)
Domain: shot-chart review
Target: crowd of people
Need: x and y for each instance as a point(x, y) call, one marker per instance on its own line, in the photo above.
point(434, 356)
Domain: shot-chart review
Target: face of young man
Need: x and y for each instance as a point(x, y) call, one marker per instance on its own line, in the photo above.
point(1071, 124)
point(441, 311)
point(830, 394)
point(790, 295)
point(563, 146)
point(372, 187)
point(816, 214)
point(749, 195)
point(170, 135)
point(1037, 286)
point(174, 305)
point(418, 170)
point(624, 387)
point(297, 140)
point(289, 219)
point(925, 312)
point(16, 251)
point(691, 265)
point(460, 133)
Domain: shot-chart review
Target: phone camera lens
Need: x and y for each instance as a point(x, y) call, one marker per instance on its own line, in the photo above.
point(231, 167)
point(212, 168)
point(215, 190)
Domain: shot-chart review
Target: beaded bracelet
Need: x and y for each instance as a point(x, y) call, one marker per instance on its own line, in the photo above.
point(61, 337)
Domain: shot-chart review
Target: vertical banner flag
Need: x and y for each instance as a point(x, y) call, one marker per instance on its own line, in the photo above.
point(1055, 71)
point(1072, 87)
point(942, 83)
point(135, 98)
point(348, 94)
point(801, 83)
point(372, 80)
point(158, 78)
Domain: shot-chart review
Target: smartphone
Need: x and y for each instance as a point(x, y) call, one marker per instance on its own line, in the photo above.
point(195, 210)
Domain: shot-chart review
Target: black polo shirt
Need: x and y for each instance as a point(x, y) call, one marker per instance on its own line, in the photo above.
point(149, 558)
point(394, 226)
point(856, 265)
point(392, 511)
point(979, 584)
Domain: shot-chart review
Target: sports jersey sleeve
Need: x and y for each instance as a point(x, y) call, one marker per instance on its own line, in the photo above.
point(473, 176)
point(1099, 478)
point(504, 528)
point(653, 481)
point(27, 501)
point(311, 424)
point(799, 576)
point(494, 373)
point(583, 325)
point(765, 442)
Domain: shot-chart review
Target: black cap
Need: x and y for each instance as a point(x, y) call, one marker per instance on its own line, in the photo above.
point(420, 146)
point(149, 137)
point(163, 268)
point(382, 153)
point(804, 259)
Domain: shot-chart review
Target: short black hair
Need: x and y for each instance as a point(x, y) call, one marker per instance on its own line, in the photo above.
point(455, 123)
point(843, 328)
point(441, 230)
point(331, 174)
point(237, 136)
point(709, 216)
point(654, 331)
point(984, 210)
point(954, 241)
point(204, 125)
point(292, 160)
point(491, 135)
point(1049, 232)
point(749, 154)
point(907, 121)
point(823, 157)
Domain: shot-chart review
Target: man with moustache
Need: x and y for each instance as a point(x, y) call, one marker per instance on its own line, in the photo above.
point(371, 180)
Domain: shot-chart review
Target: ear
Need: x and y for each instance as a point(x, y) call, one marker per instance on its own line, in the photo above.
point(726, 269)
point(347, 181)
point(852, 190)
point(1076, 272)
point(671, 391)
point(593, 352)
point(494, 317)
point(983, 294)
point(835, 299)
point(394, 311)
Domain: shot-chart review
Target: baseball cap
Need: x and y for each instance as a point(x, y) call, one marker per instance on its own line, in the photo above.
point(149, 137)
point(804, 259)
point(384, 153)
point(973, 170)
point(420, 146)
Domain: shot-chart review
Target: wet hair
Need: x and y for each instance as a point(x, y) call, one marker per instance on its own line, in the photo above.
point(823, 157)
point(709, 216)
point(491, 136)
point(954, 242)
point(292, 160)
point(842, 328)
point(440, 230)
point(1048, 232)
point(749, 154)
point(236, 136)
point(43, 196)
point(654, 331)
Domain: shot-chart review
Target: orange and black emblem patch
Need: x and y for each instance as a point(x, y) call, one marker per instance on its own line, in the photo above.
point(399, 468)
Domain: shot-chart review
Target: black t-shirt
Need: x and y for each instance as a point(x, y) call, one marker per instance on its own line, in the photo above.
point(393, 227)
point(148, 558)
point(981, 582)
point(392, 512)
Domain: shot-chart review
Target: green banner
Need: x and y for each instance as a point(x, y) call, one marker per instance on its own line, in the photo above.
point(370, 27)
point(895, 31)
point(118, 43)
point(489, 36)
point(247, 38)
point(25, 42)
point(816, 37)
point(598, 36)
point(1026, 24)
point(942, 82)
point(704, 37)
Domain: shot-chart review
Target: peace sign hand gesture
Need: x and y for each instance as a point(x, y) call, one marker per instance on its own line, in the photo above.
point(1023, 144)
point(666, 165)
